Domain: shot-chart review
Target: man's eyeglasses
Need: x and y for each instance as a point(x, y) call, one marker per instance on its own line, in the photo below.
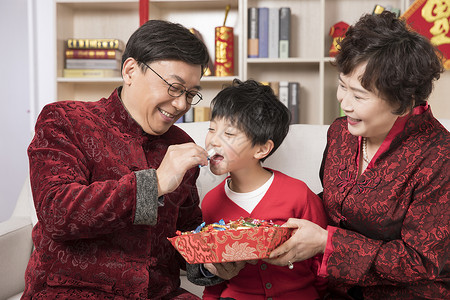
point(177, 89)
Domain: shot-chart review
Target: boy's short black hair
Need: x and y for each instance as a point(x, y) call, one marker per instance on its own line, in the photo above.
point(254, 109)
point(162, 40)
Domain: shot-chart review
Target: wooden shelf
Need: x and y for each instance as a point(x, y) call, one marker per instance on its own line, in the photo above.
point(309, 64)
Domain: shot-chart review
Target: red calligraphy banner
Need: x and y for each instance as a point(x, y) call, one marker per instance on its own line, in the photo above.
point(431, 18)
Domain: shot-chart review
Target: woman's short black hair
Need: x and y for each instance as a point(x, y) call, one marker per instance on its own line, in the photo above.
point(254, 109)
point(401, 63)
point(162, 40)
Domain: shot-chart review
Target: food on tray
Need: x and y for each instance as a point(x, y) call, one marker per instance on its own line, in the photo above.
point(242, 223)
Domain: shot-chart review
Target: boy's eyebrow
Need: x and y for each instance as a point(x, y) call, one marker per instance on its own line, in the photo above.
point(228, 124)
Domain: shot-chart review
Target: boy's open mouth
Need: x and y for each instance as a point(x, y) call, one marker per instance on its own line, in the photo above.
point(216, 158)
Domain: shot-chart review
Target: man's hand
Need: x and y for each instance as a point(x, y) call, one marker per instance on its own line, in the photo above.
point(225, 270)
point(178, 159)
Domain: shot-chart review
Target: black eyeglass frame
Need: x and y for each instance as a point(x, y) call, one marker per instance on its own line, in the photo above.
point(179, 88)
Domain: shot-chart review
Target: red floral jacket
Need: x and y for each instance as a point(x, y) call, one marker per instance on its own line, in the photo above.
point(102, 231)
point(393, 222)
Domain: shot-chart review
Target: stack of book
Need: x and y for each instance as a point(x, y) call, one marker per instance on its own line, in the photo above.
point(93, 58)
point(196, 114)
point(269, 32)
point(289, 94)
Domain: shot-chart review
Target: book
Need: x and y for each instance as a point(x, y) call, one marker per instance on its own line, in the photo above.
point(189, 115)
point(275, 85)
point(285, 32)
point(93, 53)
point(283, 92)
point(253, 38)
point(274, 32)
point(91, 73)
point(95, 44)
point(92, 63)
point(263, 32)
point(294, 89)
point(201, 113)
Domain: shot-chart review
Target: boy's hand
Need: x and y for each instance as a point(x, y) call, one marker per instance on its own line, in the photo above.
point(252, 262)
point(225, 270)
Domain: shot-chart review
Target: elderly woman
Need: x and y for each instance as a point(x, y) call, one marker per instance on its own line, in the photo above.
point(385, 173)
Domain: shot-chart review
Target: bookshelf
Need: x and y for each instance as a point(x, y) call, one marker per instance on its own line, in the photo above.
point(308, 63)
point(119, 19)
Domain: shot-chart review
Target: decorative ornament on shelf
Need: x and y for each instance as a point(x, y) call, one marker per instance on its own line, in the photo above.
point(224, 39)
point(378, 9)
point(337, 32)
point(143, 12)
point(432, 20)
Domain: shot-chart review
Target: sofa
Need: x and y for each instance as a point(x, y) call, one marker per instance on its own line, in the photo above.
point(299, 156)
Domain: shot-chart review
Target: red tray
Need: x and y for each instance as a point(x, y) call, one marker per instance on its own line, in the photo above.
point(230, 245)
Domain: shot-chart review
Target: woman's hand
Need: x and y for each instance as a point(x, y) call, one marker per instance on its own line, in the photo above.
point(307, 240)
point(225, 270)
point(178, 159)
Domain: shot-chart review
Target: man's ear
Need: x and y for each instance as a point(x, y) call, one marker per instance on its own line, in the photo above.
point(264, 150)
point(129, 68)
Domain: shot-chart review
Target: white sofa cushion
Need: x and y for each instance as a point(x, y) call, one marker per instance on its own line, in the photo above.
point(299, 155)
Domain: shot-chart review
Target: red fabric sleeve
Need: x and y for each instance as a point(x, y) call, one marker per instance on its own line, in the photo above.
point(67, 204)
point(328, 250)
point(315, 212)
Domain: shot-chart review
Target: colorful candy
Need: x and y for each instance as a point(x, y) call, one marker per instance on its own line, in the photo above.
point(241, 223)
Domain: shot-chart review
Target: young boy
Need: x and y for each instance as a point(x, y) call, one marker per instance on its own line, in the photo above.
point(248, 124)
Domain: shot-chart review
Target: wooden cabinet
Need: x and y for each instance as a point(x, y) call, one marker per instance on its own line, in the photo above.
point(308, 64)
